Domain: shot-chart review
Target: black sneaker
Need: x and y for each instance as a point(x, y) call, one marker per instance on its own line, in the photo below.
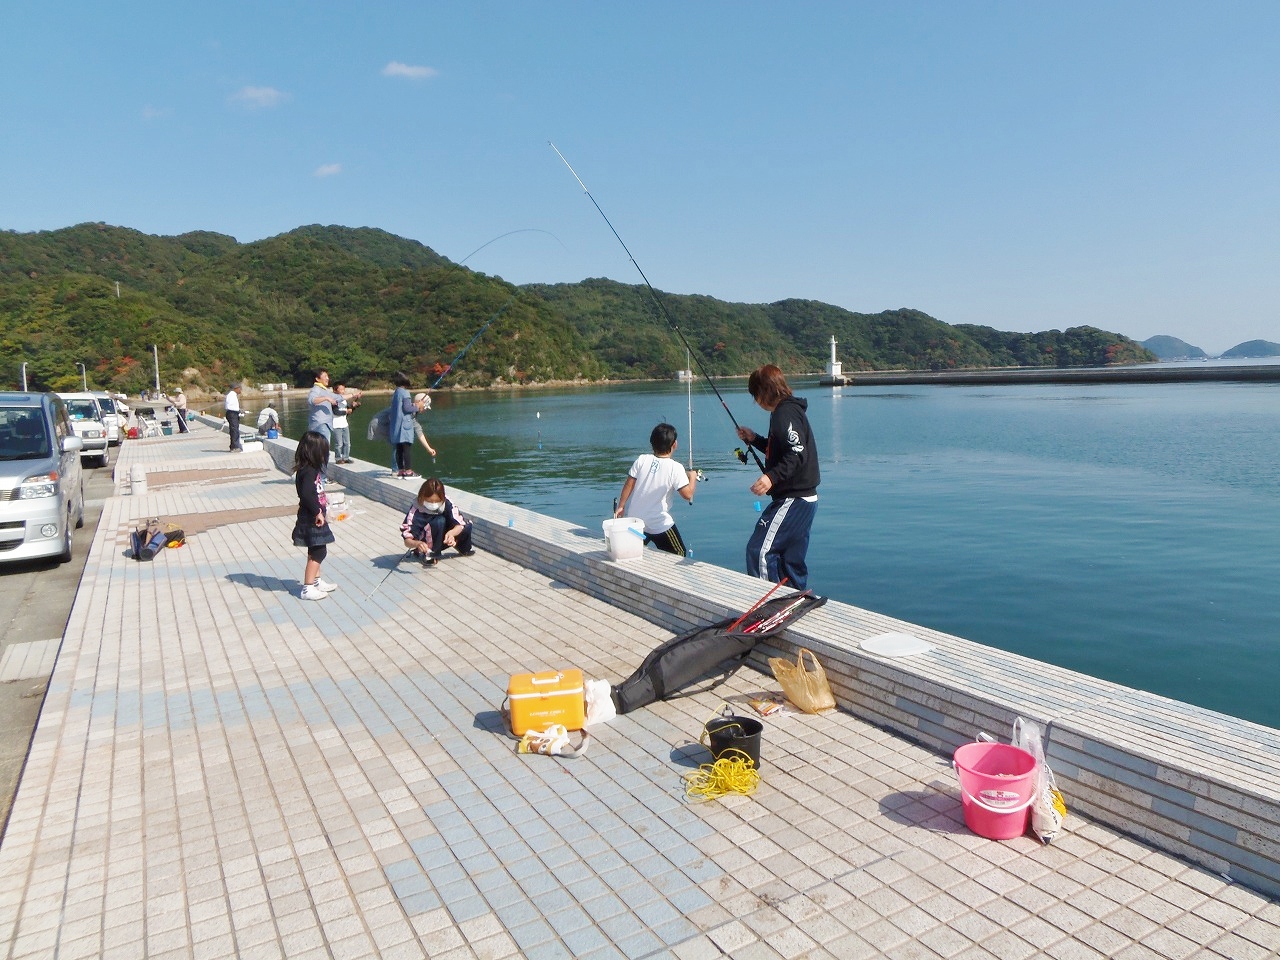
point(466, 553)
point(430, 561)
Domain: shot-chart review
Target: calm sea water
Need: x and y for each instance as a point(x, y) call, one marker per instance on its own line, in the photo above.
point(1131, 532)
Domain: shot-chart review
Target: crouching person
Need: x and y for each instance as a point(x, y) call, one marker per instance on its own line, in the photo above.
point(433, 524)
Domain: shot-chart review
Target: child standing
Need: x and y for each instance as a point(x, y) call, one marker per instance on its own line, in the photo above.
point(312, 527)
point(434, 523)
point(649, 485)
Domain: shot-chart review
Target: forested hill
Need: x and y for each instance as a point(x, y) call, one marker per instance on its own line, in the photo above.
point(364, 303)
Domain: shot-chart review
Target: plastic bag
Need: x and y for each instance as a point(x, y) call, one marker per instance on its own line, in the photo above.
point(1049, 809)
point(807, 688)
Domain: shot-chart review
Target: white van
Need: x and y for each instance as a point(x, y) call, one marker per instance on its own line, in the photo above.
point(87, 420)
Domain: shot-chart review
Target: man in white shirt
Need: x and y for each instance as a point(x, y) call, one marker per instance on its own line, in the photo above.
point(649, 485)
point(232, 408)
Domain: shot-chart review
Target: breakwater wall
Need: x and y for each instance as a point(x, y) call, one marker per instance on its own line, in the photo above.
point(1161, 373)
point(1198, 784)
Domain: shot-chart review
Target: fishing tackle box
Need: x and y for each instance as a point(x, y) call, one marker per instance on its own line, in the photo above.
point(537, 700)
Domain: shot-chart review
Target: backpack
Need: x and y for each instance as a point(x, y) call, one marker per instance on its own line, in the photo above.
point(380, 426)
point(716, 649)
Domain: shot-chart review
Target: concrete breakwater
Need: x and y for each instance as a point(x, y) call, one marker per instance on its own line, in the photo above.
point(1157, 373)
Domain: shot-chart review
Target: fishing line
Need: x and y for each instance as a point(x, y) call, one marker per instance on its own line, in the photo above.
point(656, 299)
point(458, 266)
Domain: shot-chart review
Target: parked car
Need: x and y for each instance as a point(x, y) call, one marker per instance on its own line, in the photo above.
point(41, 480)
point(111, 417)
point(87, 421)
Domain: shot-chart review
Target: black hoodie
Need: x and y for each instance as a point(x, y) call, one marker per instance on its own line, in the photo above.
point(790, 455)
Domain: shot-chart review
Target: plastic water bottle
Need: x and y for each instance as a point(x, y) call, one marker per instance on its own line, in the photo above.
point(759, 507)
point(511, 521)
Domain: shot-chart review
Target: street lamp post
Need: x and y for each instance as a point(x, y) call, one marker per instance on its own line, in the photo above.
point(155, 355)
point(84, 377)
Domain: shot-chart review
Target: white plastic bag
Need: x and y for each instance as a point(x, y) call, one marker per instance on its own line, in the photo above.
point(1049, 810)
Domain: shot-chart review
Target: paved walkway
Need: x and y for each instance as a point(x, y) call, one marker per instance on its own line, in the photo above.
point(223, 770)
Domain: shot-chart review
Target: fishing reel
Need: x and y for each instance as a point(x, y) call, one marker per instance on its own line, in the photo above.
point(740, 454)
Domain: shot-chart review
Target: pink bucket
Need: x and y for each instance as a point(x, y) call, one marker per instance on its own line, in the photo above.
point(997, 785)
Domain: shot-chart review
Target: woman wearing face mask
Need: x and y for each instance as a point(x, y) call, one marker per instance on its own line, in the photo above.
point(434, 523)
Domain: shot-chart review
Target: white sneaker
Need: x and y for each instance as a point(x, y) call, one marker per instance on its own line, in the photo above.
point(312, 592)
point(325, 585)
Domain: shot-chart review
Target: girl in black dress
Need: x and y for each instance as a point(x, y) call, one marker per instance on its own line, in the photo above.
point(312, 528)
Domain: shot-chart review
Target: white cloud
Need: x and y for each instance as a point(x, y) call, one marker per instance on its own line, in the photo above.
point(397, 69)
point(155, 113)
point(259, 98)
point(328, 170)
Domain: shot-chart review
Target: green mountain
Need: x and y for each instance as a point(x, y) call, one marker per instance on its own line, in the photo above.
point(1171, 348)
point(1254, 348)
point(365, 303)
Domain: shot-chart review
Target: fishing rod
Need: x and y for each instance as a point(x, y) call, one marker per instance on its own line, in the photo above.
point(394, 567)
point(449, 367)
point(661, 306)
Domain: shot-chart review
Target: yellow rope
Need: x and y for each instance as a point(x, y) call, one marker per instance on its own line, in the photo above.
point(734, 772)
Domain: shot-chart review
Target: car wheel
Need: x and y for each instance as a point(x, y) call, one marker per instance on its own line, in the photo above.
point(105, 459)
point(80, 515)
point(65, 556)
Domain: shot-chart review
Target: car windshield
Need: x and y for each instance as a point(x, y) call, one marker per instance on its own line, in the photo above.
point(22, 434)
point(82, 410)
point(108, 405)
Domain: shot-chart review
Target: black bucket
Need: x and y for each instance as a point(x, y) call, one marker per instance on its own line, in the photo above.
point(735, 733)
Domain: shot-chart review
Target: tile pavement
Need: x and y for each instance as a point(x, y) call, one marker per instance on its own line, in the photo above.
point(222, 770)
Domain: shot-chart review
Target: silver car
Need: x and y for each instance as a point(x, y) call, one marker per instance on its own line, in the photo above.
point(88, 422)
point(41, 480)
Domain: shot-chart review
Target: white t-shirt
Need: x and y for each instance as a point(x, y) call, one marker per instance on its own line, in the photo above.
point(657, 478)
point(232, 403)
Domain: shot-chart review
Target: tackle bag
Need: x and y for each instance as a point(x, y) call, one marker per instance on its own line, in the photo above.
point(710, 654)
point(151, 537)
point(380, 426)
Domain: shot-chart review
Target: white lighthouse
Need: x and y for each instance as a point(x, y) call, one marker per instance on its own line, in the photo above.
point(833, 377)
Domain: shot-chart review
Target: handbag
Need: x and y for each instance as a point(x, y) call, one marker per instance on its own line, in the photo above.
point(806, 687)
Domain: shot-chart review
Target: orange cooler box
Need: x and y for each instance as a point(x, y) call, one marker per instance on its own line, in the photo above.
point(538, 700)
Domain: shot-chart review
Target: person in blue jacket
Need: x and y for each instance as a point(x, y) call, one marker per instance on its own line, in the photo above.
point(400, 430)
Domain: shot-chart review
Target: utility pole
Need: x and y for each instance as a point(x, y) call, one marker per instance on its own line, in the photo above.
point(84, 377)
point(24, 376)
point(155, 354)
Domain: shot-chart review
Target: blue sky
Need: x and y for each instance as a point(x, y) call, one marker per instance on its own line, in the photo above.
point(1021, 165)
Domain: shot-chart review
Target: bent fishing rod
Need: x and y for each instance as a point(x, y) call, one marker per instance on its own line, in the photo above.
point(661, 306)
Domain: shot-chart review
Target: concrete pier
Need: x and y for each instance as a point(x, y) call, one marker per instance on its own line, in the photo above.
point(224, 770)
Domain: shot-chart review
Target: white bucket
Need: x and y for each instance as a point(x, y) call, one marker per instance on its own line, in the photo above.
point(625, 538)
point(137, 480)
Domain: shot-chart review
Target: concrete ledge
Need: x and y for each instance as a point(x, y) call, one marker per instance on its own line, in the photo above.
point(1201, 785)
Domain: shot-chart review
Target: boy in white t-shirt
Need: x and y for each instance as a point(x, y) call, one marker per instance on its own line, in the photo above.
point(649, 485)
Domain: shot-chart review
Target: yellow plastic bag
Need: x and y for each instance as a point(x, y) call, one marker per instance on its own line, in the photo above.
point(806, 687)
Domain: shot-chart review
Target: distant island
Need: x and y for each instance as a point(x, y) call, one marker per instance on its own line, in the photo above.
point(364, 303)
point(1171, 348)
point(1253, 348)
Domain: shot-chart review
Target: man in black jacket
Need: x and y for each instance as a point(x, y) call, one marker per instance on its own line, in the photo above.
point(780, 539)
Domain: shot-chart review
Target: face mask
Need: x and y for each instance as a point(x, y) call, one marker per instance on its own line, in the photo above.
point(433, 507)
